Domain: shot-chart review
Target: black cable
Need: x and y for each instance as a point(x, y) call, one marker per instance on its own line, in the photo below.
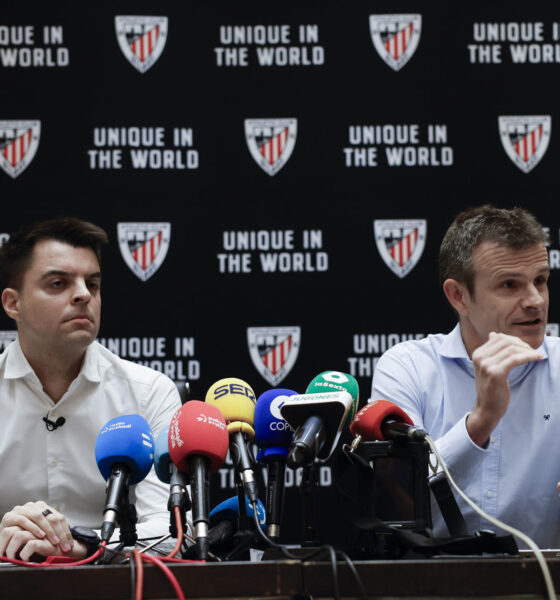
point(314, 553)
point(355, 574)
point(132, 579)
point(334, 568)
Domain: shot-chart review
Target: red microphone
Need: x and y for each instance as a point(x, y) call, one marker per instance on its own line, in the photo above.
point(198, 444)
point(383, 420)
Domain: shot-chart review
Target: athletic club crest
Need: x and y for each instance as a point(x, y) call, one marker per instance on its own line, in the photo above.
point(400, 243)
point(141, 39)
point(395, 37)
point(18, 143)
point(273, 351)
point(271, 142)
point(525, 139)
point(144, 246)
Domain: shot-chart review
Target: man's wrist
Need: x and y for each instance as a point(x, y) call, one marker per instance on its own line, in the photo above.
point(86, 540)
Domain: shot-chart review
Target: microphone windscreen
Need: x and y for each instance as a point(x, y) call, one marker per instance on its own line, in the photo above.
point(161, 456)
point(125, 440)
point(198, 429)
point(272, 433)
point(228, 510)
point(336, 381)
point(236, 401)
point(370, 418)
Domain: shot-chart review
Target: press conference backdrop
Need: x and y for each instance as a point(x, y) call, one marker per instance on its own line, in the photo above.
point(275, 178)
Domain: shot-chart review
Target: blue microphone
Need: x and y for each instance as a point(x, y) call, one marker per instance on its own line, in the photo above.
point(273, 436)
point(224, 518)
point(124, 454)
point(168, 472)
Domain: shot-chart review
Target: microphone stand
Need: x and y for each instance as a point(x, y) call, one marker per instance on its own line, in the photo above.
point(308, 488)
point(127, 519)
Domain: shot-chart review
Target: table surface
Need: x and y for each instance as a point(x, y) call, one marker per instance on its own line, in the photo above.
point(427, 578)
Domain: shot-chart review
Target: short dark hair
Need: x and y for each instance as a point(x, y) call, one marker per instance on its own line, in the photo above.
point(16, 253)
point(513, 228)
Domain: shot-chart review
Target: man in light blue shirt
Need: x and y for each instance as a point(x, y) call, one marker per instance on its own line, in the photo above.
point(489, 392)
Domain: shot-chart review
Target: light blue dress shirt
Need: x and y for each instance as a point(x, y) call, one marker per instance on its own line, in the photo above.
point(515, 477)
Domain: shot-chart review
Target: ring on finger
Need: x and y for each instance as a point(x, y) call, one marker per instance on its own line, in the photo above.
point(47, 512)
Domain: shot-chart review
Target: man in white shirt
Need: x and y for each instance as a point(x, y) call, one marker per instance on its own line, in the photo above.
point(488, 391)
point(58, 387)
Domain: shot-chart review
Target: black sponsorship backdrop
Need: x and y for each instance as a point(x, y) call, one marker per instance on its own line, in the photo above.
point(358, 294)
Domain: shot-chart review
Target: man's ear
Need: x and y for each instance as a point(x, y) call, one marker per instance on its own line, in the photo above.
point(457, 294)
point(10, 302)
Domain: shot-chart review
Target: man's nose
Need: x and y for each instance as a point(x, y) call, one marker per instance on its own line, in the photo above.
point(81, 292)
point(534, 298)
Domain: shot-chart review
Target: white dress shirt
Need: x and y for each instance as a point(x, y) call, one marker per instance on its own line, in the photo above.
point(515, 477)
point(59, 466)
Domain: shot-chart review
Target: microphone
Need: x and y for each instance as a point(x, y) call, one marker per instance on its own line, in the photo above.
point(198, 445)
point(319, 416)
point(124, 455)
point(224, 519)
point(52, 425)
point(236, 401)
point(383, 420)
point(167, 472)
point(273, 435)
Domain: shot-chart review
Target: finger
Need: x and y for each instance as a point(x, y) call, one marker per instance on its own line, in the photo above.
point(14, 518)
point(5, 538)
point(507, 358)
point(17, 541)
point(58, 524)
point(38, 547)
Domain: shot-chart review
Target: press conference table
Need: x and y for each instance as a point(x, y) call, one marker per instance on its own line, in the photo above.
point(434, 578)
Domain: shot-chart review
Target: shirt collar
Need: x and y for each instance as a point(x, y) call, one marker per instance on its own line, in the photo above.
point(454, 348)
point(17, 366)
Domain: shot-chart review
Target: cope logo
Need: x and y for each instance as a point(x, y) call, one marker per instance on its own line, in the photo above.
point(400, 243)
point(18, 144)
point(144, 246)
point(525, 139)
point(271, 142)
point(141, 39)
point(274, 350)
point(395, 37)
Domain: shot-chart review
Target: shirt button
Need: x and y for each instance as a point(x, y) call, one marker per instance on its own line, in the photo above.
point(490, 494)
point(492, 438)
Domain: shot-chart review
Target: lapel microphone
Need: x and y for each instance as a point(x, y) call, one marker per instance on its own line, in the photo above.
point(52, 425)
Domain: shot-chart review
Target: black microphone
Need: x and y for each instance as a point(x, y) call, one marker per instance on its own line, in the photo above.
point(52, 425)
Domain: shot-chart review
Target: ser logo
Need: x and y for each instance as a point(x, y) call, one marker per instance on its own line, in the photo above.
point(18, 144)
point(144, 246)
point(141, 39)
point(400, 243)
point(271, 142)
point(525, 139)
point(395, 37)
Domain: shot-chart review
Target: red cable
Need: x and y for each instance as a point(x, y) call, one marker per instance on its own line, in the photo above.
point(51, 561)
point(168, 574)
point(179, 525)
point(139, 592)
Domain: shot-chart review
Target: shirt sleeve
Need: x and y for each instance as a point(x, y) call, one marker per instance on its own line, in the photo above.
point(151, 495)
point(416, 384)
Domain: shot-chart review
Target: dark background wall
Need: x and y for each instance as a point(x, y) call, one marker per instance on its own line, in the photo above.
point(191, 315)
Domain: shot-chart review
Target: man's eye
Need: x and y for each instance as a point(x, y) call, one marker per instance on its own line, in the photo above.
point(57, 283)
point(509, 284)
point(93, 285)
